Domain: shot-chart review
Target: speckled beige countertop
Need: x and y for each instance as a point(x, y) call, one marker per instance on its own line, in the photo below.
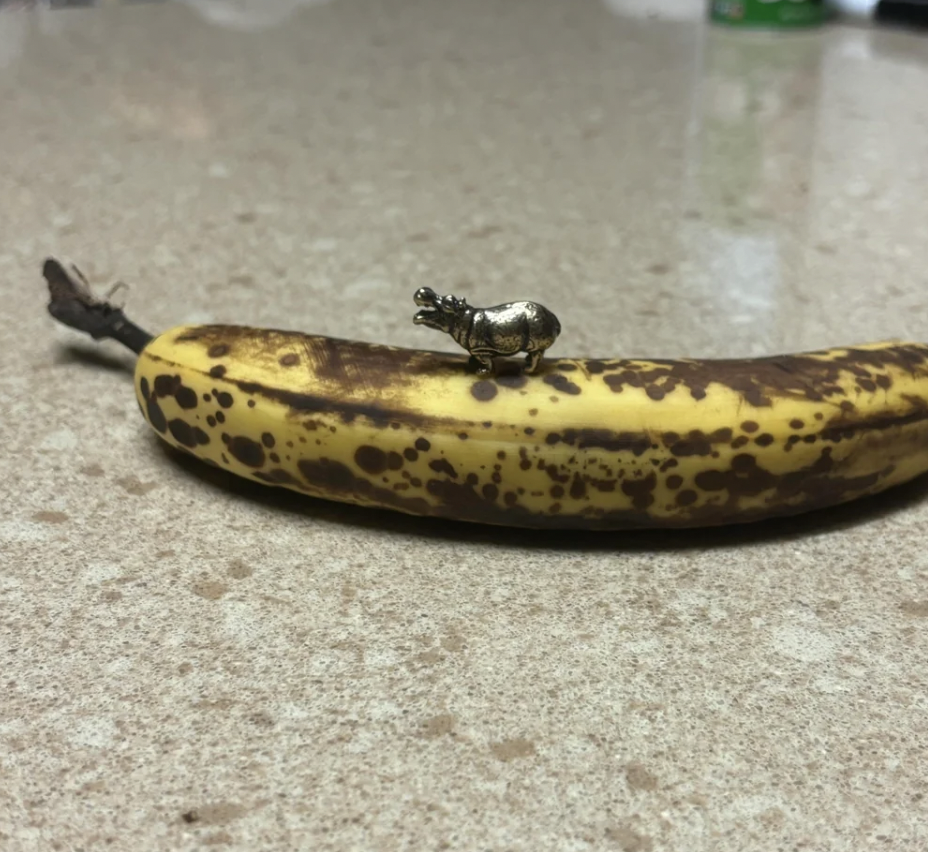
point(189, 662)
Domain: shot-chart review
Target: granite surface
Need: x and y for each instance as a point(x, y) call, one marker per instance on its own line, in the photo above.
point(190, 662)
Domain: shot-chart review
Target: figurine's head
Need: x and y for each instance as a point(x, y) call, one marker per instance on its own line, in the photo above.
point(439, 311)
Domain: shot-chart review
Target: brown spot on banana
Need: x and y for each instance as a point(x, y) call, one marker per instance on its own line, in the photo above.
point(276, 476)
point(483, 390)
point(246, 450)
point(717, 444)
point(443, 466)
point(150, 408)
point(371, 460)
point(562, 383)
point(186, 435)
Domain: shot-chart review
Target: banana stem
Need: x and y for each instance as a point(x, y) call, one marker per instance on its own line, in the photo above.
point(73, 304)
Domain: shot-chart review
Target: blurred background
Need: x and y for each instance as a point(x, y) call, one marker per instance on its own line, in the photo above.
point(190, 664)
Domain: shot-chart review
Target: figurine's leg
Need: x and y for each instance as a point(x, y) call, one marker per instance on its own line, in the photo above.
point(484, 363)
point(533, 360)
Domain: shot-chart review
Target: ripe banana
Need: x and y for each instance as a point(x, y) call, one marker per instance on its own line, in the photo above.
point(584, 444)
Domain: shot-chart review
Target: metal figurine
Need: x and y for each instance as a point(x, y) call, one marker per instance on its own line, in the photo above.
point(490, 332)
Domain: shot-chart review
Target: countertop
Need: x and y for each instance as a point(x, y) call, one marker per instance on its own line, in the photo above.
point(193, 662)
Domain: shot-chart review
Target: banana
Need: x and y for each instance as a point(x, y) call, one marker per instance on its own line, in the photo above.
point(583, 444)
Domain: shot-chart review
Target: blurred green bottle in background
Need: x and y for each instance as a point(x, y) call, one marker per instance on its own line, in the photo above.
point(771, 14)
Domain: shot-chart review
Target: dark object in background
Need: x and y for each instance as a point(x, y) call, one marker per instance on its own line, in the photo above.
point(901, 13)
point(911, 13)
